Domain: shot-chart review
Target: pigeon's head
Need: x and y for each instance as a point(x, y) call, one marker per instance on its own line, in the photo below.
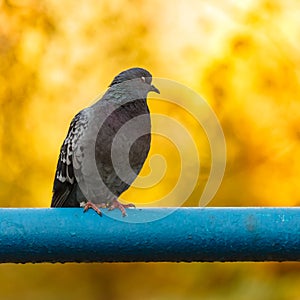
point(140, 77)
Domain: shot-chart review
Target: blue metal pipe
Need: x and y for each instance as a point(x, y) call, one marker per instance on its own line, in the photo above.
point(186, 234)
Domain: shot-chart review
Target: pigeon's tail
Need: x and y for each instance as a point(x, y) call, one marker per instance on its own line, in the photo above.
point(62, 195)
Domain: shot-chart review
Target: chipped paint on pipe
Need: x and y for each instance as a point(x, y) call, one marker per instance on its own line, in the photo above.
point(186, 234)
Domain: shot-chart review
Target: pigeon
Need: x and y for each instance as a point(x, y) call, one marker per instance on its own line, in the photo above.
point(106, 146)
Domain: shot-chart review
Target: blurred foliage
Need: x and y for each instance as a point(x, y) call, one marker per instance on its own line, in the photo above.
point(55, 58)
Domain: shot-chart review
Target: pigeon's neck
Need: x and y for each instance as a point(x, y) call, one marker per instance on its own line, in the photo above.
point(125, 92)
point(136, 107)
point(132, 103)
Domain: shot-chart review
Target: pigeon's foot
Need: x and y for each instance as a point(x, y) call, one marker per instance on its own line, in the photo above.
point(93, 206)
point(120, 206)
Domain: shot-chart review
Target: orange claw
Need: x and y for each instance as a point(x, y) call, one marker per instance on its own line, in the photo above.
point(93, 206)
point(120, 206)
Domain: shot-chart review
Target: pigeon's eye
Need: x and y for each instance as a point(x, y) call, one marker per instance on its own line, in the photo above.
point(143, 79)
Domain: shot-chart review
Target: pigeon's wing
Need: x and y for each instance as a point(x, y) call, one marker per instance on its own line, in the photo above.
point(70, 154)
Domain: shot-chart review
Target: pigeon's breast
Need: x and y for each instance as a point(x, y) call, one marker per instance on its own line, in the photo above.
point(125, 135)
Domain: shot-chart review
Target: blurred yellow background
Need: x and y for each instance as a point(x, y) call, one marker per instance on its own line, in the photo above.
point(243, 58)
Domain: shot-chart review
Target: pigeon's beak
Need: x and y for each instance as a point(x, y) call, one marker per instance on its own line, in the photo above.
point(154, 89)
